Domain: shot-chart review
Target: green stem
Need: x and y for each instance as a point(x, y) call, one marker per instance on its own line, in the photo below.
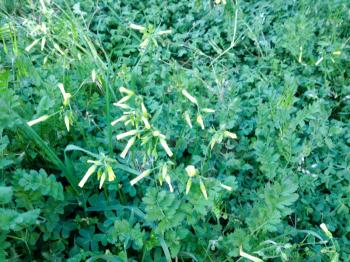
point(45, 150)
point(108, 117)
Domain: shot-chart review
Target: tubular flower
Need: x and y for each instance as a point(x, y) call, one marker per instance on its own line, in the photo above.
point(189, 97)
point(141, 176)
point(88, 173)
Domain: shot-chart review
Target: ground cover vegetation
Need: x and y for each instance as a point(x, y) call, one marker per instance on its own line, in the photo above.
point(174, 130)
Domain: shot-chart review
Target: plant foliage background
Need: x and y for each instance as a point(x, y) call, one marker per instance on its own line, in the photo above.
point(242, 119)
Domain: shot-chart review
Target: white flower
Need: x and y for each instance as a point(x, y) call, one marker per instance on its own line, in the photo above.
point(145, 121)
point(166, 147)
point(164, 32)
point(93, 75)
point(325, 230)
point(66, 96)
point(208, 110)
point(32, 45)
point(200, 121)
point(66, 121)
point(111, 175)
point(188, 185)
point(137, 27)
point(141, 176)
point(188, 119)
point(189, 97)
point(124, 90)
point(38, 120)
point(102, 179)
point(203, 189)
point(127, 147)
point(226, 187)
point(191, 171)
point(120, 119)
point(126, 134)
point(88, 173)
point(230, 135)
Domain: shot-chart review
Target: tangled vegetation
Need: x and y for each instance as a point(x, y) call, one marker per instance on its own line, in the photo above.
point(175, 130)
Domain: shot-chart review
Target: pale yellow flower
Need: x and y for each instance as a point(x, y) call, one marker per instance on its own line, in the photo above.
point(166, 147)
point(137, 27)
point(247, 256)
point(38, 120)
point(126, 134)
point(67, 121)
point(102, 180)
point(188, 119)
point(120, 119)
point(203, 189)
point(188, 185)
point(191, 171)
point(88, 173)
point(31, 45)
point(124, 90)
point(127, 147)
point(111, 175)
point(325, 230)
point(208, 110)
point(139, 177)
point(189, 97)
point(230, 135)
point(200, 121)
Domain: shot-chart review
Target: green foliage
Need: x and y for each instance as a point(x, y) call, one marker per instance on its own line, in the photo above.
point(253, 96)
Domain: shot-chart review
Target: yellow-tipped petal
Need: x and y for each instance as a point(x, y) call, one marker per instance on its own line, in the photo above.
point(111, 175)
point(188, 185)
point(200, 121)
point(166, 147)
point(102, 179)
point(88, 173)
point(203, 189)
point(126, 134)
point(141, 176)
point(188, 119)
point(38, 120)
point(189, 97)
point(127, 147)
